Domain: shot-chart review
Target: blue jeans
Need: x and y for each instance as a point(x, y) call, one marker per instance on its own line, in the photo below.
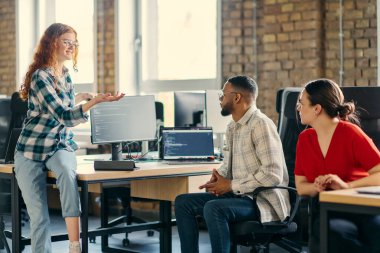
point(218, 212)
point(349, 233)
point(31, 178)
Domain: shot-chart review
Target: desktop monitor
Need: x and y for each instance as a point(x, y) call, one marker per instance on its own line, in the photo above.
point(189, 108)
point(213, 117)
point(132, 118)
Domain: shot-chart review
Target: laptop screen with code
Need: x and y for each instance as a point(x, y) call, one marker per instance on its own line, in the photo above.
point(186, 143)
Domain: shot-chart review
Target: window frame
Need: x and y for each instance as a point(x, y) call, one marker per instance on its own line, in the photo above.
point(154, 86)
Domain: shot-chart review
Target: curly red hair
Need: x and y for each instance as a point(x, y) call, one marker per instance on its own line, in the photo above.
point(45, 55)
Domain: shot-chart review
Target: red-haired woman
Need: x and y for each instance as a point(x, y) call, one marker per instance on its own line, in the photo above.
point(46, 142)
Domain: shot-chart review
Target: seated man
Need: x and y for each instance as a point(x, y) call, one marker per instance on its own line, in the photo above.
point(253, 158)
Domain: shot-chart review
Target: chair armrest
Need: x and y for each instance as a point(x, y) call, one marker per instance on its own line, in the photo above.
point(291, 190)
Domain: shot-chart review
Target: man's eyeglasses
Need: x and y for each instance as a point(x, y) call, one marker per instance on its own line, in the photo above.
point(221, 94)
point(70, 43)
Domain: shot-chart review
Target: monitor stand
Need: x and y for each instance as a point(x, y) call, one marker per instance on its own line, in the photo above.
point(116, 151)
point(117, 162)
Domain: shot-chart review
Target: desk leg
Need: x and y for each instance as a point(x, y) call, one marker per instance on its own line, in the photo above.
point(166, 231)
point(16, 215)
point(104, 217)
point(84, 216)
point(324, 230)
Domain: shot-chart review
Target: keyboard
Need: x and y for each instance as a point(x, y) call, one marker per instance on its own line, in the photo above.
point(182, 162)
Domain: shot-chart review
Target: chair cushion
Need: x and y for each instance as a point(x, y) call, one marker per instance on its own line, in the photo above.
point(249, 227)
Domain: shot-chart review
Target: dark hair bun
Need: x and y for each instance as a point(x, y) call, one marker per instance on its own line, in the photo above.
point(345, 109)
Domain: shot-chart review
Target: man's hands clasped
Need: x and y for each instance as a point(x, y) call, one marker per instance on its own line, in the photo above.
point(217, 184)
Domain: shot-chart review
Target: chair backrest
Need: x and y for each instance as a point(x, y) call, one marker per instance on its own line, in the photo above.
point(19, 109)
point(17, 113)
point(5, 119)
point(159, 111)
point(289, 126)
point(367, 103)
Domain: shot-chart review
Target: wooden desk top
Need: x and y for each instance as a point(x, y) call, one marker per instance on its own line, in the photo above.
point(351, 196)
point(86, 172)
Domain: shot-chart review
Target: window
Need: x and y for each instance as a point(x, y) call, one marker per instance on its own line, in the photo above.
point(173, 50)
point(35, 17)
point(67, 12)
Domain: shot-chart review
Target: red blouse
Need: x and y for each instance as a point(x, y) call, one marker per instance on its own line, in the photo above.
point(350, 155)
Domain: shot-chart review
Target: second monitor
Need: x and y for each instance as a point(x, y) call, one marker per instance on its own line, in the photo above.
point(199, 108)
point(132, 118)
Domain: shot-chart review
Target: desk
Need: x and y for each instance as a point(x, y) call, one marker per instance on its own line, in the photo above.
point(348, 201)
point(87, 176)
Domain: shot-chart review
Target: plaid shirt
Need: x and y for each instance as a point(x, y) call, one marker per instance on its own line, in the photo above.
point(50, 113)
point(257, 159)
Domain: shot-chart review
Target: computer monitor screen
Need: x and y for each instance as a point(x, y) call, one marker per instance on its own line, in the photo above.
point(186, 143)
point(132, 118)
point(189, 108)
point(213, 117)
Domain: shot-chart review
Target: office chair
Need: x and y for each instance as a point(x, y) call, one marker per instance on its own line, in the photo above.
point(286, 234)
point(289, 127)
point(17, 110)
point(259, 235)
point(5, 197)
point(5, 119)
point(367, 103)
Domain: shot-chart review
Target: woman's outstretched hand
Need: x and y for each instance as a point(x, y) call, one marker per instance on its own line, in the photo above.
point(108, 97)
point(101, 98)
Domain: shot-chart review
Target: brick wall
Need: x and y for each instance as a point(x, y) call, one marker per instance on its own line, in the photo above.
point(359, 42)
point(106, 46)
point(298, 41)
point(7, 47)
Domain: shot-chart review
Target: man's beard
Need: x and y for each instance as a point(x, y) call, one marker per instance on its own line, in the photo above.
point(226, 110)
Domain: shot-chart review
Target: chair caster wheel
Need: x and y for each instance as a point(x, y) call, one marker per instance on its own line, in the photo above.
point(150, 233)
point(126, 242)
point(92, 239)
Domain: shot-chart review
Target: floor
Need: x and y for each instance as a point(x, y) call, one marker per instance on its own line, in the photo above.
point(139, 241)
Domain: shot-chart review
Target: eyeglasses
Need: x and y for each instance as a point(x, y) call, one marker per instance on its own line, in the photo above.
point(221, 94)
point(70, 43)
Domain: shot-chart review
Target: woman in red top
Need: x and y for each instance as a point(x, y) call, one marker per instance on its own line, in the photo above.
point(336, 154)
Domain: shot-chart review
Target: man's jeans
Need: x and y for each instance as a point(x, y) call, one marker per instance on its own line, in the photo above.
point(218, 212)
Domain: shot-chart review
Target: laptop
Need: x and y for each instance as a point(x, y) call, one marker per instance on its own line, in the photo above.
point(10, 151)
point(181, 145)
point(369, 190)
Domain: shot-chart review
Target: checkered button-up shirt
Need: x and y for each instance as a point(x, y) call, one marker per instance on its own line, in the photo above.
point(253, 158)
point(50, 115)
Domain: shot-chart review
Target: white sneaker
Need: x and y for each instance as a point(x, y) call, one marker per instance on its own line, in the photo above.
point(74, 247)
